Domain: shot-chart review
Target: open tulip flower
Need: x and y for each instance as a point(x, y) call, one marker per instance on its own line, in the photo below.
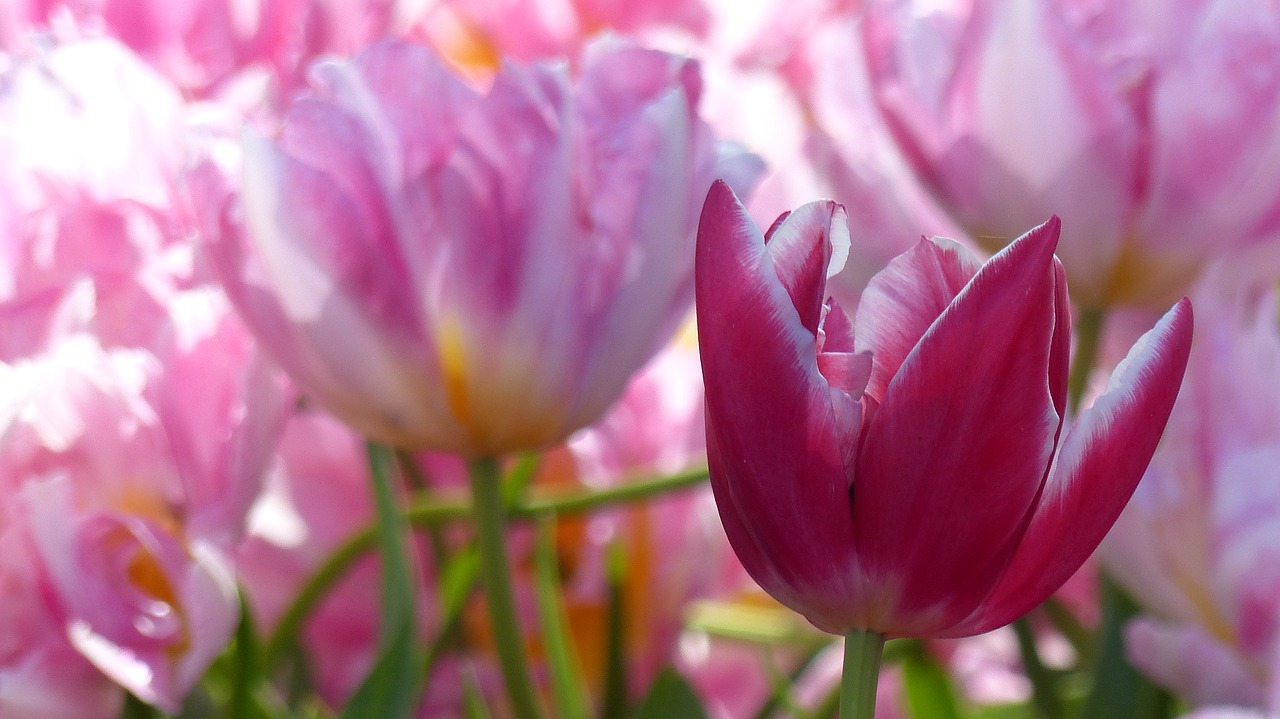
point(907, 472)
point(472, 273)
point(1152, 132)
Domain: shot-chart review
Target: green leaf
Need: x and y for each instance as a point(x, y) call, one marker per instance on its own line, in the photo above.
point(519, 477)
point(457, 580)
point(246, 672)
point(1004, 711)
point(391, 689)
point(1119, 691)
point(473, 704)
point(614, 703)
point(567, 687)
point(927, 687)
point(670, 697)
point(135, 708)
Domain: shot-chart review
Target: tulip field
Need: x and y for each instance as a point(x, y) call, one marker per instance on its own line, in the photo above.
point(639, 359)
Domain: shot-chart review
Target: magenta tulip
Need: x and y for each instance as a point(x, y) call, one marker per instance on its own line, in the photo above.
point(908, 472)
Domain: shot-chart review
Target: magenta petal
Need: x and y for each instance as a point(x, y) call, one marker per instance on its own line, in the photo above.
point(836, 334)
point(801, 260)
point(846, 371)
point(757, 563)
point(1102, 458)
point(904, 299)
point(766, 400)
point(957, 451)
point(1060, 350)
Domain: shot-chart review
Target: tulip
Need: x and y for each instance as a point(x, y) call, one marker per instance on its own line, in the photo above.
point(125, 476)
point(41, 674)
point(100, 509)
point(482, 31)
point(907, 473)
point(1155, 135)
point(1199, 545)
point(213, 48)
point(469, 273)
point(90, 239)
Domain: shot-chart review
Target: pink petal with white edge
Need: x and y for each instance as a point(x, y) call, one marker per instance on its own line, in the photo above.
point(957, 451)
point(801, 261)
point(1101, 460)
point(770, 418)
point(904, 299)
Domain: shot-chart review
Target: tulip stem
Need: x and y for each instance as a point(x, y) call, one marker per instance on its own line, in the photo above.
point(491, 537)
point(862, 653)
point(435, 511)
point(1044, 692)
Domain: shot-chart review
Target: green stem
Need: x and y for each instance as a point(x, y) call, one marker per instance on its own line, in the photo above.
point(1069, 626)
point(491, 537)
point(435, 512)
point(862, 653)
point(1044, 693)
point(1088, 332)
point(333, 569)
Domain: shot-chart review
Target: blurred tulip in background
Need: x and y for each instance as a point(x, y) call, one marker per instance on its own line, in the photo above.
point(1154, 133)
point(465, 272)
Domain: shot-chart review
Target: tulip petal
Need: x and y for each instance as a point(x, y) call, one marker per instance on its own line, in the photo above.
point(1215, 115)
point(904, 299)
point(285, 294)
point(955, 85)
point(946, 478)
point(765, 397)
point(836, 332)
point(801, 262)
point(1102, 458)
point(1195, 664)
point(1060, 349)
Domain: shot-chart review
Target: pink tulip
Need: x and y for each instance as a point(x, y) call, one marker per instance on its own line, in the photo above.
point(41, 674)
point(124, 476)
point(89, 235)
point(907, 471)
point(1155, 135)
point(1229, 713)
point(206, 47)
point(484, 31)
point(464, 272)
point(101, 508)
point(88, 119)
point(1199, 545)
